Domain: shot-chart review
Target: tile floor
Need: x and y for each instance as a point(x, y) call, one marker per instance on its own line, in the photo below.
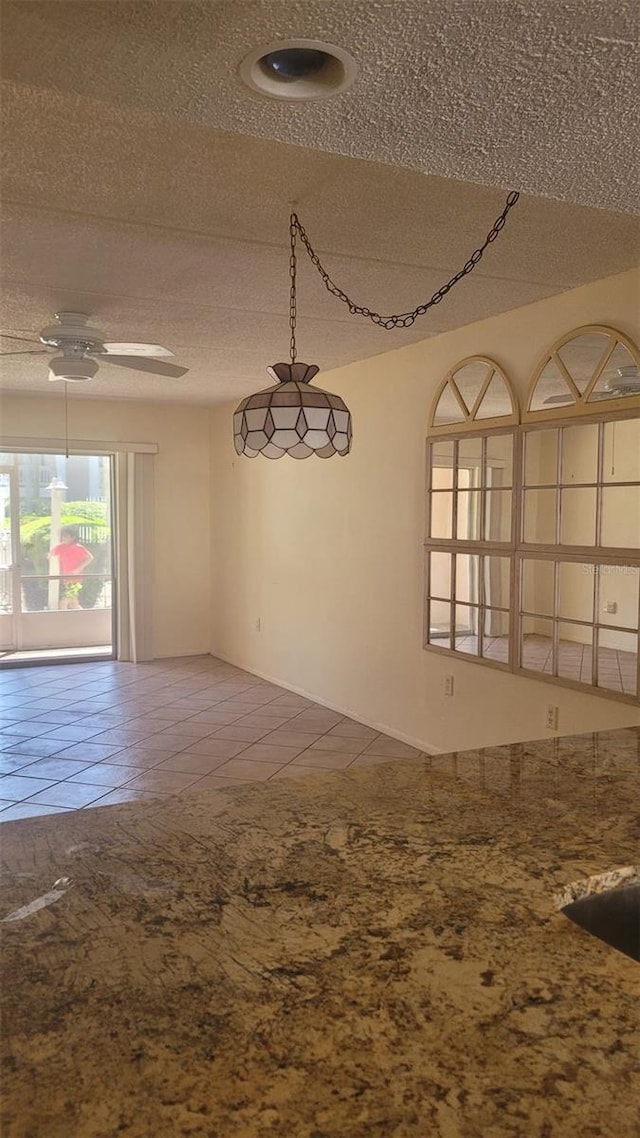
point(616, 670)
point(80, 735)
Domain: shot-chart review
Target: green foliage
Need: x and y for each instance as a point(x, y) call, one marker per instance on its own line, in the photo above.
point(90, 514)
point(92, 517)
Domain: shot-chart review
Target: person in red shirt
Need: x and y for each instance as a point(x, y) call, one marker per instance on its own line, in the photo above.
point(72, 558)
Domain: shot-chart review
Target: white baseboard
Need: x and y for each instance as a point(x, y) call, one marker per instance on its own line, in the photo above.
point(411, 740)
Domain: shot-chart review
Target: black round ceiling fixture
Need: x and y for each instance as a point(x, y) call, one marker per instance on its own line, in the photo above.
point(291, 63)
point(298, 70)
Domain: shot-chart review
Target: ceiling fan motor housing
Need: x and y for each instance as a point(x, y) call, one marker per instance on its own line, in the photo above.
point(72, 333)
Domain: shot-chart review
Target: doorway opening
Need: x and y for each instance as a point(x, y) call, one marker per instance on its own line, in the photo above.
point(57, 588)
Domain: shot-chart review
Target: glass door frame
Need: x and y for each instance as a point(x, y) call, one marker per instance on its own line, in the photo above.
point(17, 642)
point(13, 622)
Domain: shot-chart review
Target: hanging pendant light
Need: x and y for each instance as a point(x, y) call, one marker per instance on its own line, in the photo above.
point(299, 420)
point(292, 417)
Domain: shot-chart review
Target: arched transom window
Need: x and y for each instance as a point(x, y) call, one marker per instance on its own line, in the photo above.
point(475, 393)
point(583, 371)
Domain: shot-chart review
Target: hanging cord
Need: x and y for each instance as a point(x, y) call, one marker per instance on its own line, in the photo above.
point(293, 265)
point(66, 420)
point(405, 319)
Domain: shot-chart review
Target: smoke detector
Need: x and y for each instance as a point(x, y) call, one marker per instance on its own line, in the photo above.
point(298, 70)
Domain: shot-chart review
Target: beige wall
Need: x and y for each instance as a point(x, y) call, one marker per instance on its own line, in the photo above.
point(328, 555)
point(181, 565)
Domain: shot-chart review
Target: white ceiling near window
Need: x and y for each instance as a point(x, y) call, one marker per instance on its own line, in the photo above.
point(145, 185)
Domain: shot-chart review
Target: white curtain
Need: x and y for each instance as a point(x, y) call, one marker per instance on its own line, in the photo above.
point(134, 555)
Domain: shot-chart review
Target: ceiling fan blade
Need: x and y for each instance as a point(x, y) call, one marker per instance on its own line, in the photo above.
point(559, 399)
point(22, 339)
point(156, 367)
point(28, 352)
point(136, 350)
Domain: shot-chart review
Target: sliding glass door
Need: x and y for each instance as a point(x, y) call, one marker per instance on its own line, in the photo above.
point(56, 556)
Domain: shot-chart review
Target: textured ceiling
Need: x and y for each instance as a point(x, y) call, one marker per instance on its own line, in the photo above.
point(125, 202)
point(536, 94)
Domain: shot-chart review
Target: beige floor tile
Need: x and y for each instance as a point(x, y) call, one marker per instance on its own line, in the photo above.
point(57, 769)
point(186, 730)
point(166, 739)
point(243, 770)
point(73, 795)
point(123, 737)
point(123, 794)
point(217, 748)
point(11, 764)
point(167, 782)
point(349, 744)
point(240, 734)
point(73, 733)
point(263, 752)
point(312, 721)
point(166, 727)
point(89, 752)
point(327, 760)
point(192, 764)
point(174, 713)
point(37, 748)
point(210, 782)
point(141, 757)
point(349, 727)
point(259, 719)
point(16, 787)
point(28, 810)
point(217, 718)
point(105, 774)
point(290, 738)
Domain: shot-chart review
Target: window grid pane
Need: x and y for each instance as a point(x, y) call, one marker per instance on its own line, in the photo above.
point(586, 631)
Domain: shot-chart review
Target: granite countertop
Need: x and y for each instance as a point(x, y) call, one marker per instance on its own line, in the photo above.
point(373, 953)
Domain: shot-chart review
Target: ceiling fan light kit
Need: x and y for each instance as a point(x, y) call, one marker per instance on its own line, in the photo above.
point(73, 370)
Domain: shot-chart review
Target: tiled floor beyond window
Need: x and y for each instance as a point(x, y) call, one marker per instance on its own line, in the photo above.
point(80, 735)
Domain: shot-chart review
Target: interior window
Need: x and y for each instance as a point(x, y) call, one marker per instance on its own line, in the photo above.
point(533, 531)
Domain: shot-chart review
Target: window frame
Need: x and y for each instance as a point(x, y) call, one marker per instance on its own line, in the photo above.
point(520, 551)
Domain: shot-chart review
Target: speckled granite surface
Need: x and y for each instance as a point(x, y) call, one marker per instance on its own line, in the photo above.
point(367, 954)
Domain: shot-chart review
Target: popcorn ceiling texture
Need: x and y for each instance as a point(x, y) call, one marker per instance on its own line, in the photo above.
point(143, 184)
point(537, 96)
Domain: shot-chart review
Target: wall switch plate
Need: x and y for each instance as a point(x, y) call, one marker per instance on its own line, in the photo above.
point(447, 685)
point(551, 717)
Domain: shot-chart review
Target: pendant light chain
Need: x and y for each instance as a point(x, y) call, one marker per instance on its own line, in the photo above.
point(405, 319)
point(292, 291)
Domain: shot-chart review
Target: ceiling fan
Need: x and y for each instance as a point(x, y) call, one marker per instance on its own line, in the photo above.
point(83, 346)
point(626, 381)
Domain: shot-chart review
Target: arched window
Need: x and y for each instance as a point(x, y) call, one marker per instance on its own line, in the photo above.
point(474, 394)
point(592, 369)
point(533, 530)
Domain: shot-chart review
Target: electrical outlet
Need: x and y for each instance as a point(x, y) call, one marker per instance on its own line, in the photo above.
point(610, 606)
point(258, 625)
point(551, 717)
point(447, 685)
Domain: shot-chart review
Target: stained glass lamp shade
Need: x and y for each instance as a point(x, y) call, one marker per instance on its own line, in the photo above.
point(292, 418)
